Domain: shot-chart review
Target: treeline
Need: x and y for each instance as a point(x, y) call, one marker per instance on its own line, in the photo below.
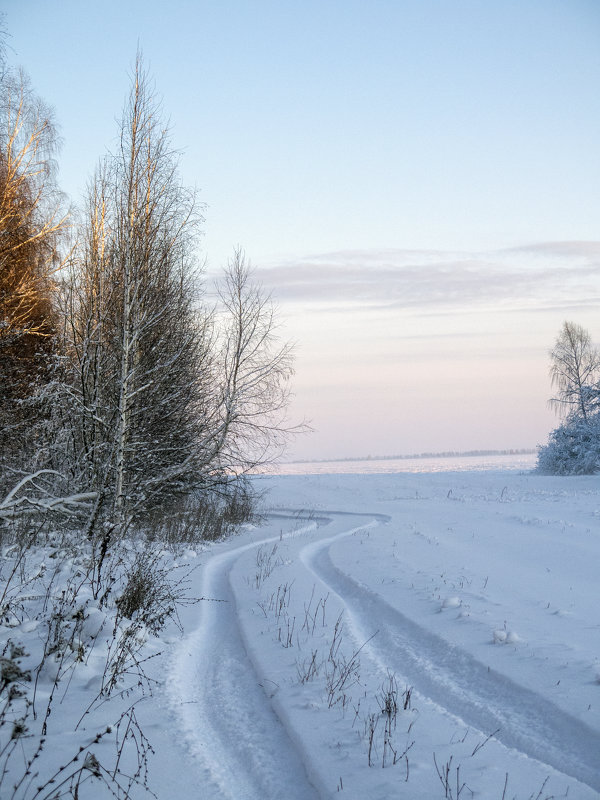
point(123, 391)
point(574, 446)
point(415, 456)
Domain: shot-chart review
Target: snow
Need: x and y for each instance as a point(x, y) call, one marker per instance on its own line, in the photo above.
point(446, 622)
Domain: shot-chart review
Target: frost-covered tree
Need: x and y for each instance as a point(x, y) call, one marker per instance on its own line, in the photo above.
point(254, 368)
point(574, 371)
point(574, 447)
point(166, 395)
point(137, 343)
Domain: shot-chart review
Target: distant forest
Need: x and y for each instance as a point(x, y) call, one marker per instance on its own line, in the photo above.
point(443, 454)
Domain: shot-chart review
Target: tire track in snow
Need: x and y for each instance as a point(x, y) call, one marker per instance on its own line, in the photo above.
point(227, 720)
point(455, 680)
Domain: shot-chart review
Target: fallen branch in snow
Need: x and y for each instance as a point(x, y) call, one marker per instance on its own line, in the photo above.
point(12, 506)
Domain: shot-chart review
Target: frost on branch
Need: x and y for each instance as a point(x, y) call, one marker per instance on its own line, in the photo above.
point(18, 504)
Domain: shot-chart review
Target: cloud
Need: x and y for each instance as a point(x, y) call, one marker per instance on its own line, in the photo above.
point(533, 277)
point(582, 249)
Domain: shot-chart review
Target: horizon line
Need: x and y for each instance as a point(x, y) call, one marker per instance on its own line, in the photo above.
point(441, 454)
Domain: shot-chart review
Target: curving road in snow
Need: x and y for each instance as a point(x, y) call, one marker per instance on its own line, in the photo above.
point(460, 684)
point(233, 734)
point(246, 737)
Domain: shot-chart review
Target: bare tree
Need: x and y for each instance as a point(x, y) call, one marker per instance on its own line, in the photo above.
point(574, 371)
point(166, 395)
point(136, 339)
point(255, 368)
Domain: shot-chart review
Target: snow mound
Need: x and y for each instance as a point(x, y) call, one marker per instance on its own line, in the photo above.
point(450, 602)
point(504, 636)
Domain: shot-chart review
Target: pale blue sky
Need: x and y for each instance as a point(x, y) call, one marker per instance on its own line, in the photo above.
point(328, 138)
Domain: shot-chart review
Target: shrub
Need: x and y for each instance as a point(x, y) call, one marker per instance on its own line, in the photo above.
point(573, 448)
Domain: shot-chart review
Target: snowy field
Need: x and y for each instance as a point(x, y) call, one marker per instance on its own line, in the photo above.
point(371, 466)
point(386, 636)
point(466, 606)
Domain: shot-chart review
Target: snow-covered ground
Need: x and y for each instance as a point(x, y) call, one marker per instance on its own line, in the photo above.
point(386, 636)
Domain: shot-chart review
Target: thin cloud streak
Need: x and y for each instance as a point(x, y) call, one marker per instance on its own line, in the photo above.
point(429, 281)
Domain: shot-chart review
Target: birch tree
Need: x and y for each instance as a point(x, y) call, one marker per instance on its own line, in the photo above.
point(574, 371)
point(574, 447)
point(167, 395)
point(136, 339)
point(255, 368)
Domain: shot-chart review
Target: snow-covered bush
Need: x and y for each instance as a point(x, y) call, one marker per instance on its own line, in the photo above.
point(77, 640)
point(573, 448)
